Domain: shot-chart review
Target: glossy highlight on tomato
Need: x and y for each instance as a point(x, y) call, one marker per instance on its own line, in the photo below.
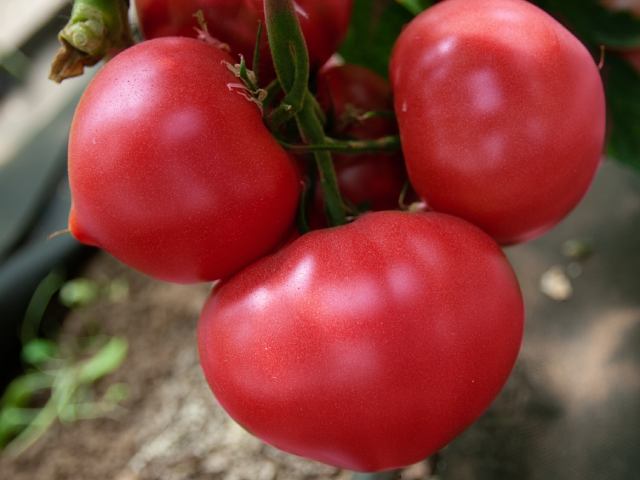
point(172, 170)
point(501, 113)
point(324, 24)
point(367, 346)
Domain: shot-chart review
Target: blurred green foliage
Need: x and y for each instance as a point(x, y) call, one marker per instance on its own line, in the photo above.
point(58, 381)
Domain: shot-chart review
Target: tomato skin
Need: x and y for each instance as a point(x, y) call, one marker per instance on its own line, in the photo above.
point(371, 181)
point(341, 88)
point(501, 113)
point(374, 180)
point(172, 172)
point(367, 346)
point(235, 22)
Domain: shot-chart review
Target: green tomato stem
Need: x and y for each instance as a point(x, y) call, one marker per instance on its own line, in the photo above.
point(289, 52)
point(415, 6)
point(312, 131)
point(95, 30)
point(349, 147)
point(291, 62)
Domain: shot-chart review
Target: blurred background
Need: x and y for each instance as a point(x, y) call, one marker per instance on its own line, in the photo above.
point(35, 115)
point(99, 368)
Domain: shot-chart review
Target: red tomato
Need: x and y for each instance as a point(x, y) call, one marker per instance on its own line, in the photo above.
point(345, 90)
point(501, 113)
point(171, 171)
point(324, 24)
point(367, 346)
point(373, 181)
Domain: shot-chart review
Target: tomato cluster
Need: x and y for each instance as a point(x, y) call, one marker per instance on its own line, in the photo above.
point(368, 345)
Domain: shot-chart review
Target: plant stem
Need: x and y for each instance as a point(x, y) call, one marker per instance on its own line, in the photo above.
point(312, 132)
point(355, 147)
point(290, 58)
point(291, 62)
point(95, 30)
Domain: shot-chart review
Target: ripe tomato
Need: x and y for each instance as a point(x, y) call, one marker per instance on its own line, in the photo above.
point(369, 180)
point(501, 113)
point(367, 346)
point(235, 22)
point(345, 91)
point(171, 171)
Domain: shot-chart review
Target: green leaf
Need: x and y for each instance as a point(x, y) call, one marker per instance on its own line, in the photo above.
point(70, 397)
point(595, 24)
point(79, 292)
point(38, 304)
point(415, 6)
point(38, 351)
point(118, 290)
point(22, 389)
point(105, 361)
point(375, 26)
point(13, 420)
point(623, 99)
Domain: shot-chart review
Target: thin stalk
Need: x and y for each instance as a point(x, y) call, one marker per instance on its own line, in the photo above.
point(354, 147)
point(312, 132)
point(291, 62)
point(290, 57)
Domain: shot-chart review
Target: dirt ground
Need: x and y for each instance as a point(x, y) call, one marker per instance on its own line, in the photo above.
point(569, 411)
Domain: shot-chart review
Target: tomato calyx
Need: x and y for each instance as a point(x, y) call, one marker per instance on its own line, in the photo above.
point(248, 85)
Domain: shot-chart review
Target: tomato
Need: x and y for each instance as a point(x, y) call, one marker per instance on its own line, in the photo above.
point(171, 171)
point(235, 22)
point(370, 181)
point(501, 113)
point(367, 346)
point(345, 91)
